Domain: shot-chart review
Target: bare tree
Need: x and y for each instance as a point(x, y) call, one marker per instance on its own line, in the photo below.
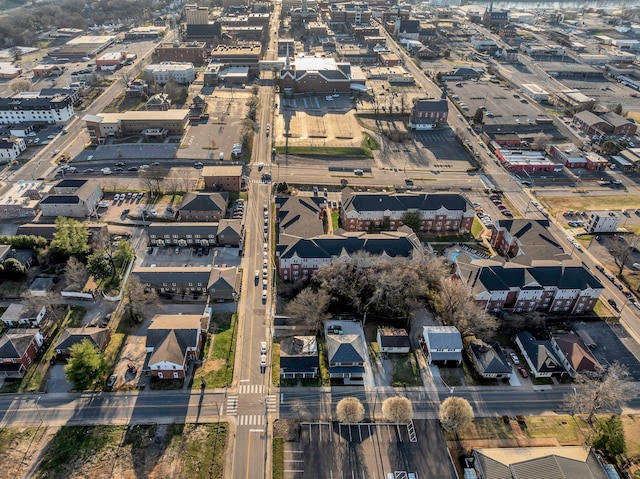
point(609, 391)
point(138, 297)
point(153, 178)
point(173, 184)
point(455, 414)
point(309, 308)
point(50, 301)
point(19, 86)
point(456, 307)
point(350, 410)
point(397, 410)
point(541, 141)
point(622, 249)
point(75, 273)
point(186, 180)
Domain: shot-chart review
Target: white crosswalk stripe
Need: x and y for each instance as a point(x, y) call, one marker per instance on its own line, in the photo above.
point(250, 420)
point(272, 403)
point(232, 405)
point(251, 389)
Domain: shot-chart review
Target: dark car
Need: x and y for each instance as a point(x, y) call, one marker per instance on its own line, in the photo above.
point(111, 382)
point(119, 168)
point(613, 304)
point(121, 163)
point(205, 251)
point(132, 168)
point(126, 211)
point(600, 268)
point(132, 368)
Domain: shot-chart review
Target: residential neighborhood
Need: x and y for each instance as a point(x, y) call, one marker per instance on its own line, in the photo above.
point(308, 239)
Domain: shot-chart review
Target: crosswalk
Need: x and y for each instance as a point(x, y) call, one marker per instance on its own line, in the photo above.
point(272, 403)
point(251, 420)
point(231, 406)
point(252, 389)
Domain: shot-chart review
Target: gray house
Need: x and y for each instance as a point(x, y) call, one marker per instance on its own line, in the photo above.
point(393, 340)
point(346, 355)
point(540, 356)
point(299, 357)
point(72, 198)
point(442, 344)
point(99, 337)
point(229, 232)
point(489, 360)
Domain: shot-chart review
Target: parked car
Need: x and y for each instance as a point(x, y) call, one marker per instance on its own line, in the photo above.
point(263, 347)
point(613, 304)
point(523, 372)
point(514, 358)
point(111, 382)
point(132, 368)
point(263, 361)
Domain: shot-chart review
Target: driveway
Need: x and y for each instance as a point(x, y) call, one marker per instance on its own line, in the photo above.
point(57, 382)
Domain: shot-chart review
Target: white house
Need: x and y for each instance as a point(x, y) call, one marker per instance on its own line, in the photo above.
point(11, 148)
point(442, 343)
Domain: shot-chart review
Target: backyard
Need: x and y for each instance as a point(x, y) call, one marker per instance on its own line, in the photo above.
point(219, 354)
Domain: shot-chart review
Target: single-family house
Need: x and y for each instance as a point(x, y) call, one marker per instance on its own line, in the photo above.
point(489, 360)
point(19, 348)
point(346, 352)
point(99, 337)
point(299, 357)
point(17, 314)
point(11, 148)
point(392, 340)
point(173, 340)
point(574, 354)
point(203, 206)
point(442, 344)
point(540, 356)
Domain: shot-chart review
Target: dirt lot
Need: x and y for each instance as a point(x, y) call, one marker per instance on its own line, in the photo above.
point(150, 451)
point(19, 445)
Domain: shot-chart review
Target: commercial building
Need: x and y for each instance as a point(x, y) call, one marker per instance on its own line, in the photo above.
point(603, 222)
point(524, 161)
point(609, 123)
point(394, 75)
point(116, 125)
point(165, 72)
point(320, 74)
point(224, 177)
point(247, 55)
point(21, 200)
point(437, 211)
point(429, 114)
point(571, 157)
point(191, 52)
point(354, 13)
point(8, 71)
point(86, 46)
point(111, 60)
point(535, 92)
point(150, 32)
point(195, 15)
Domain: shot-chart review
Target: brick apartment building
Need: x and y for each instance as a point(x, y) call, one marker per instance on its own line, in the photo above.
point(438, 211)
point(191, 52)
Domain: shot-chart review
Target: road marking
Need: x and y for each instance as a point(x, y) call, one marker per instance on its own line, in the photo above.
point(232, 405)
point(251, 389)
point(245, 380)
point(250, 420)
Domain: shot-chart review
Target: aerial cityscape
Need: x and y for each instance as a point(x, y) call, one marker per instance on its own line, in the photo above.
point(319, 239)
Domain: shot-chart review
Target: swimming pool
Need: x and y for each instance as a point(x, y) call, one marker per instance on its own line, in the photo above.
point(454, 255)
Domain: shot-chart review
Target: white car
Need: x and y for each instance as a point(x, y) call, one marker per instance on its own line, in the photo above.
point(515, 359)
point(116, 197)
point(153, 213)
point(264, 295)
point(263, 347)
point(263, 360)
point(103, 204)
point(106, 171)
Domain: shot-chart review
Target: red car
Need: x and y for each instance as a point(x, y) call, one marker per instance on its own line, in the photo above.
point(523, 372)
point(132, 368)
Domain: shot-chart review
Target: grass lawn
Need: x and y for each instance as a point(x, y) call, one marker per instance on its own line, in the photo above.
point(110, 355)
point(445, 238)
point(201, 448)
point(450, 376)
point(540, 381)
point(335, 215)
point(566, 429)
point(277, 465)
point(275, 364)
point(344, 151)
point(486, 428)
point(324, 364)
point(217, 370)
point(404, 370)
point(631, 425)
point(476, 228)
point(582, 202)
point(602, 310)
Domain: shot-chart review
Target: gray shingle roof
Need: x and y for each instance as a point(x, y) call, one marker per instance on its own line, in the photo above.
point(14, 343)
point(405, 201)
point(178, 275)
point(214, 202)
point(345, 348)
point(490, 357)
point(182, 228)
point(71, 336)
point(171, 335)
point(443, 337)
point(432, 105)
point(540, 353)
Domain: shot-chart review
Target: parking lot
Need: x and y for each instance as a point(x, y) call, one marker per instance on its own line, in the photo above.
point(373, 451)
point(184, 257)
point(503, 105)
point(446, 152)
point(612, 344)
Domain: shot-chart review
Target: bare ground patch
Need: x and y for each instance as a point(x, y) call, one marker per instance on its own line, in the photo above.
point(19, 447)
